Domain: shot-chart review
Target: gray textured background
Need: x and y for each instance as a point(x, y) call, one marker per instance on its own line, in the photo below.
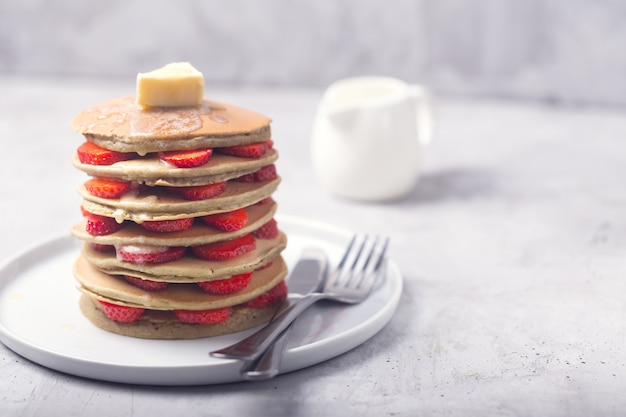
point(561, 51)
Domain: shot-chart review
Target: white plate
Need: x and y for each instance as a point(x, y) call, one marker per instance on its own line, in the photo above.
point(40, 320)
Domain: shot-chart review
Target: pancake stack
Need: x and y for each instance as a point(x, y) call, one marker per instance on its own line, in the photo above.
point(178, 222)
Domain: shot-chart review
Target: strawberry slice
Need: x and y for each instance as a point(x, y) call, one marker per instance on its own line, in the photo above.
point(215, 316)
point(106, 188)
point(252, 150)
point(145, 284)
point(99, 247)
point(168, 226)
point(268, 231)
point(270, 144)
point(201, 192)
point(246, 178)
point(123, 314)
point(229, 221)
point(276, 294)
point(266, 200)
point(92, 154)
point(266, 173)
point(226, 286)
point(149, 254)
point(225, 249)
point(101, 225)
point(187, 159)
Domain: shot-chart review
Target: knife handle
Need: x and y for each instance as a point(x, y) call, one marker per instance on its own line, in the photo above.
point(253, 346)
point(268, 365)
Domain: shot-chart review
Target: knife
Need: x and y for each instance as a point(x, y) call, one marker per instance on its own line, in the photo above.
point(306, 277)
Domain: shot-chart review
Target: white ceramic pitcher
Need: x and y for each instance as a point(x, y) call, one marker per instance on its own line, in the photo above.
point(369, 136)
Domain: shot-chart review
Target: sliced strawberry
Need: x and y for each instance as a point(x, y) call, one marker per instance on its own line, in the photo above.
point(268, 231)
point(99, 247)
point(266, 173)
point(229, 221)
point(168, 226)
point(270, 144)
point(246, 178)
point(200, 192)
point(226, 286)
point(149, 254)
point(266, 200)
point(187, 159)
point(266, 265)
point(225, 249)
point(204, 316)
point(92, 154)
point(276, 294)
point(101, 225)
point(106, 188)
point(123, 314)
point(145, 284)
point(252, 150)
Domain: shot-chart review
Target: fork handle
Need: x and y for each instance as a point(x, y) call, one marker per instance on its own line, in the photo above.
point(254, 345)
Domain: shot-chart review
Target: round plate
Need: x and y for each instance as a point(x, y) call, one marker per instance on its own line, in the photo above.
point(40, 320)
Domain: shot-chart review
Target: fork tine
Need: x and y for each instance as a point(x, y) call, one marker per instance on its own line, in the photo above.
point(374, 263)
point(346, 264)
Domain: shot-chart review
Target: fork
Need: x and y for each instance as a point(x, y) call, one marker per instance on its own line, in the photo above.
point(350, 283)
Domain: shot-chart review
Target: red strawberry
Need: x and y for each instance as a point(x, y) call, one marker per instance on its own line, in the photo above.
point(268, 231)
point(252, 150)
point(187, 159)
point(266, 265)
point(276, 294)
point(225, 249)
point(266, 200)
point(229, 221)
point(149, 254)
point(266, 173)
point(201, 192)
point(145, 284)
point(106, 188)
point(246, 178)
point(215, 316)
point(101, 248)
point(226, 286)
point(92, 154)
point(123, 314)
point(101, 225)
point(270, 144)
point(167, 226)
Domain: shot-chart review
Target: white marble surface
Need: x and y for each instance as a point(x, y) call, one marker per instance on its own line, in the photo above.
point(511, 248)
point(557, 50)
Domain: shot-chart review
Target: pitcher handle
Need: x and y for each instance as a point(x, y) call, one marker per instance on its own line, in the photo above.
point(423, 105)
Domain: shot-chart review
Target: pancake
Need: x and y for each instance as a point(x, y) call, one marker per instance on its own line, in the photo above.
point(175, 296)
point(197, 234)
point(163, 325)
point(150, 170)
point(189, 268)
point(159, 204)
point(122, 125)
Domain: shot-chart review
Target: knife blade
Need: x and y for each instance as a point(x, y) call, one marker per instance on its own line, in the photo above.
point(307, 276)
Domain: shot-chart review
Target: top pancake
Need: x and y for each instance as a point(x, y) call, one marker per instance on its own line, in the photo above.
point(122, 125)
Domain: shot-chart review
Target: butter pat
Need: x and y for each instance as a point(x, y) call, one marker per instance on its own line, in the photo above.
point(175, 85)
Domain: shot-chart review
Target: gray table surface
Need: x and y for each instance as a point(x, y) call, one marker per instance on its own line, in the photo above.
point(511, 248)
